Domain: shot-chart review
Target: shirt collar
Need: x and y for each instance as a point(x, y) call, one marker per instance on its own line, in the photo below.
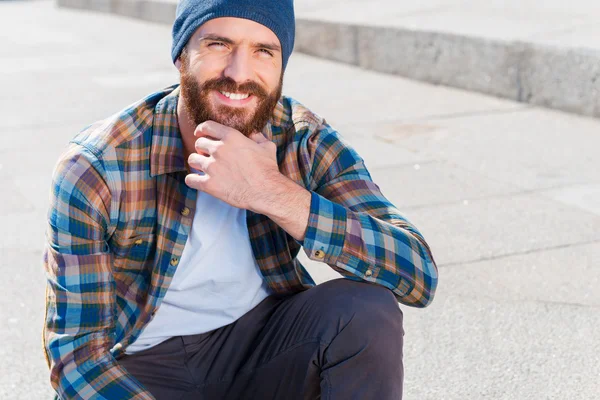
point(167, 151)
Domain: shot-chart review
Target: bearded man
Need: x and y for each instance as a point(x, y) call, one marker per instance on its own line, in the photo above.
point(175, 224)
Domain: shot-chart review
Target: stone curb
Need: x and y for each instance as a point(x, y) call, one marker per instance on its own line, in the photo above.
point(566, 79)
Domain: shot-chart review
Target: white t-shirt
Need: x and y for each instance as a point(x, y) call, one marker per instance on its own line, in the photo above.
point(216, 282)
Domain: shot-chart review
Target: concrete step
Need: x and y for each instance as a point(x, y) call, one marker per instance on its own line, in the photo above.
point(545, 55)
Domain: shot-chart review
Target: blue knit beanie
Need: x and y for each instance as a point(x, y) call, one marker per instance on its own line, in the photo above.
point(277, 15)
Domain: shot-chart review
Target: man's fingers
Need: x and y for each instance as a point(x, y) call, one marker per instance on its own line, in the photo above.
point(196, 181)
point(213, 130)
point(206, 146)
point(200, 162)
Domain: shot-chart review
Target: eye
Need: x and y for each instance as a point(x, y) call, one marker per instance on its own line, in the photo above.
point(265, 52)
point(217, 45)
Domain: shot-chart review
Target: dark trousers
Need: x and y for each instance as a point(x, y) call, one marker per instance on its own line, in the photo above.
point(339, 340)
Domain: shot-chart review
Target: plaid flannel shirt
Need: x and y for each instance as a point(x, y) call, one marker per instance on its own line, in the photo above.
point(120, 214)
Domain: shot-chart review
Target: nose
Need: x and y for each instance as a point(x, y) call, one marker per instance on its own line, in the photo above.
point(239, 67)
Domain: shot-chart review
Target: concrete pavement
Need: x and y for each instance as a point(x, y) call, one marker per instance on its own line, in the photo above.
point(507, 194)
point(543, 53)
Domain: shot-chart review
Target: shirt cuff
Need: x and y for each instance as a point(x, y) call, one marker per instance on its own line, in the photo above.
point(326, 230)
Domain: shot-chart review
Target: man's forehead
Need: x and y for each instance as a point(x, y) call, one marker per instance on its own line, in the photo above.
point(237, 29)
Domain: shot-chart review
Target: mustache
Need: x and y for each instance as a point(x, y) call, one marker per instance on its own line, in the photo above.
point(226, 84)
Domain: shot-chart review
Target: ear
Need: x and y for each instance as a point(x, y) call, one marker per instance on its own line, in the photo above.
point(178, 64)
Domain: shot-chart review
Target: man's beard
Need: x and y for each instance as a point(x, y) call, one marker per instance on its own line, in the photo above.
point(198, 106)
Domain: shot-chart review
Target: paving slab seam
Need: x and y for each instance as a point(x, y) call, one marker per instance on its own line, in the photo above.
point(516, 193)
point(28, 127)
point(25, 251)
point(518, 253)
point(564, 303)
point(518, 190)
point(400, 164)
point(563, 78)
point(518, 300)
point(451, 116)
point(568, 185)
point(457, 202)
point(468, 114)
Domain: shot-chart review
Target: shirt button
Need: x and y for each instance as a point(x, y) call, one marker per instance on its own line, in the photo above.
point(320, 254)
point(138, 242)
point(174, 261)
point(185, 212)
point(369, 273)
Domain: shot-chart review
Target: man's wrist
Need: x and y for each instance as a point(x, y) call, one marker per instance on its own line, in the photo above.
point(286, 203)
point(274, 195)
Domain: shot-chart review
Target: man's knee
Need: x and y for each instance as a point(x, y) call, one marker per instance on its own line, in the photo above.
point(369, 309)
point(369, 337)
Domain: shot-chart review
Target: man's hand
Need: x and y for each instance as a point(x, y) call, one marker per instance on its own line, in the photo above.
point(238, 170)
point(243, 172)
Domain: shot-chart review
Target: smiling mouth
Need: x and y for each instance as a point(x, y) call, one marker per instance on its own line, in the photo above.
point(235, 96)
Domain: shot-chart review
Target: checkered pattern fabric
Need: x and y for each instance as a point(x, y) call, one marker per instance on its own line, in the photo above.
point(120, 214)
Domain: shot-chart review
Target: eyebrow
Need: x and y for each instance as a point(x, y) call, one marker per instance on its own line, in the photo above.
point(217, 38)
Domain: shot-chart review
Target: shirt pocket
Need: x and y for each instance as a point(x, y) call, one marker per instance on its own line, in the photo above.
point(134, 255)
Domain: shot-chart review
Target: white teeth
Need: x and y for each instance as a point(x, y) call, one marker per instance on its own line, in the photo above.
point(235, 96)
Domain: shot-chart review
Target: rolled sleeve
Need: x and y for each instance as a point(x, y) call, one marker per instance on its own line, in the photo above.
point(355, 229)
point(326, 230)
